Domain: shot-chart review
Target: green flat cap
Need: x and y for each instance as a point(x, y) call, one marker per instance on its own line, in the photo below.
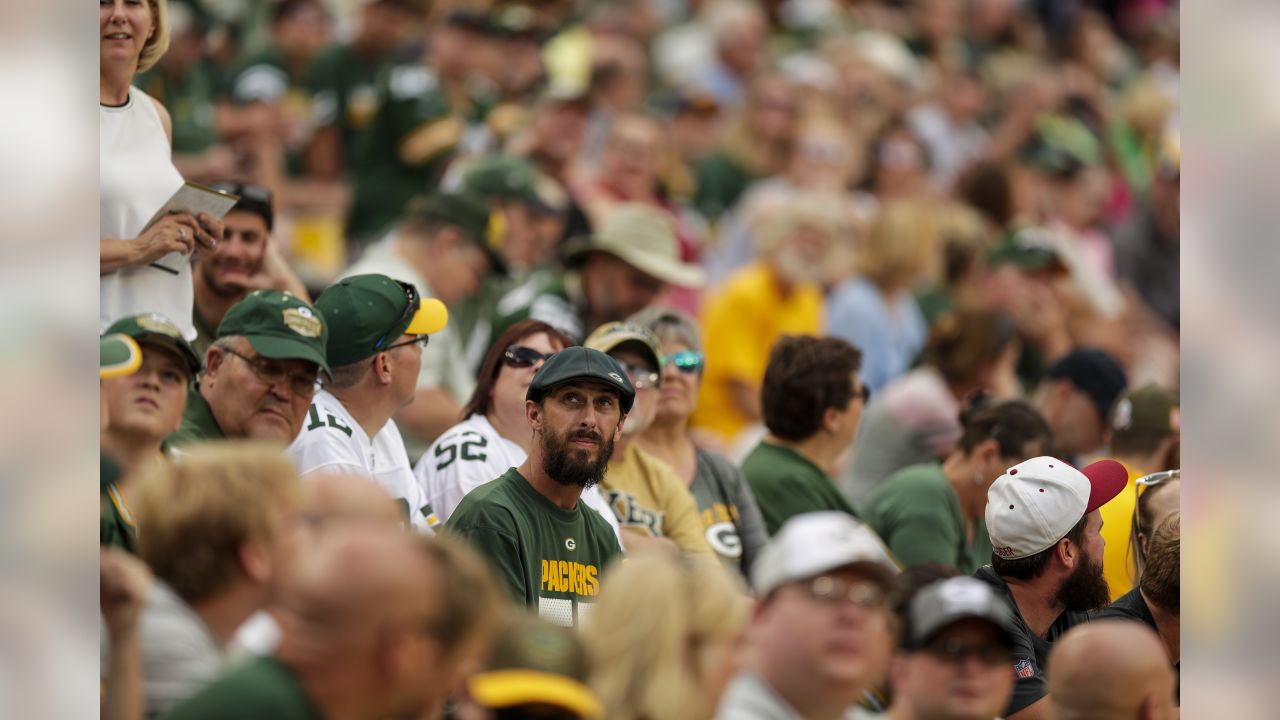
point(368, 313)
point(582, 363)
point(279, 326)
point(118, 355)
point(154, 327)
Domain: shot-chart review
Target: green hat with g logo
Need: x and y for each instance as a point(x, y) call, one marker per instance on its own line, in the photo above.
point(279, 326)
point(154, 327)
point(369, 313)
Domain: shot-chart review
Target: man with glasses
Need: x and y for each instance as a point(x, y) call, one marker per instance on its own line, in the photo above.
point(822, 629)
point(813, 402)
point(495, 436)
point(955, 662)
point(646, 495)
point(376, 624)
point(245, 259)
point(260, 373)
point(378, 329)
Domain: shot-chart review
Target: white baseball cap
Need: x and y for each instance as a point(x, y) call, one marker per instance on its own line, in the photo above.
point(1035, 503)
point(810, 544)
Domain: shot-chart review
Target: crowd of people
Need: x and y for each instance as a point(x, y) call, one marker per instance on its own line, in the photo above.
point(640, 359)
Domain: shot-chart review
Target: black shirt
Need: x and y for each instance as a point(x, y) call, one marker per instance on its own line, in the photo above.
point(1030, 651)
point(1132, 606)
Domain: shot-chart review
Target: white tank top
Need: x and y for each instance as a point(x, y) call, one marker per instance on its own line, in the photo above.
point(136, 177)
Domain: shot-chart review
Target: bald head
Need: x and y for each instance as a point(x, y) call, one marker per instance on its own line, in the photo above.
point(336, 497)
point(1110, 670)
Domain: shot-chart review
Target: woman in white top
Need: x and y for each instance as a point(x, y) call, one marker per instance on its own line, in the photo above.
point(143, 269)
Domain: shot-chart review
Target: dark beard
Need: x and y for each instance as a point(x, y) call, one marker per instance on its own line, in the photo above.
point(563, 465)
point(1084, 589)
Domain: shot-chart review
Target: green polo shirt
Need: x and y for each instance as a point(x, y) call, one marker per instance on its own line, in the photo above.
point(197, 422)
point(344, 94)
point(786, 483)
point(918, 516)
point(260, 689)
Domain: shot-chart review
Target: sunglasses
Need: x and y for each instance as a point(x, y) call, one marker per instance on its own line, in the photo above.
point(519, 356)
point(686, 361)
point(641, 377)
point(955, 651)
point(1154, 479)
point(412, 293)
point(864, 392)
point(253, 198)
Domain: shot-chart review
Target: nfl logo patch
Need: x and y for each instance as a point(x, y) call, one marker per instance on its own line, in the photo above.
point(1023, 669)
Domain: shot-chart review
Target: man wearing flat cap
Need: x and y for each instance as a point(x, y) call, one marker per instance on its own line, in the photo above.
point(548, 548)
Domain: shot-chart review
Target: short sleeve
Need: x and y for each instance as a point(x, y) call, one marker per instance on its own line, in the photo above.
point(321, 448)
point(452, 467)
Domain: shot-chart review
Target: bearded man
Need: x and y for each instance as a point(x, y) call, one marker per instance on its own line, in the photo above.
point(548, 548)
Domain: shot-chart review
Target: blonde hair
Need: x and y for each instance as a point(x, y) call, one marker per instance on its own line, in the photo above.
point(473, 605)
point(156, 45)
point(903, 243)
point(195, 514)
point(651, 636)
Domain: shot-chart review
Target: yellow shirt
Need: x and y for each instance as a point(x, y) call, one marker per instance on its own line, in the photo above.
point(648, 497)
point(1117, 522)
point(740, 323)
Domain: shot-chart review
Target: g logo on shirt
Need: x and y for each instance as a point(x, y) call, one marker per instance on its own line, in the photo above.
point(570, 544)
point(723, 538)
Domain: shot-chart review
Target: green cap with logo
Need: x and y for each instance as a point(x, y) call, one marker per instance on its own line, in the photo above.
point(118, 355)
point(368, 313)
point(279, 326)
point(532, 662)
point(1150, 411)
point(1028, 248)
point(504, 177)
point(582, 363)
point(154, 327)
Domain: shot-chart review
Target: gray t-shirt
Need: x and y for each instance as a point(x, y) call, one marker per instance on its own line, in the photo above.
point(730, 517)
point(179, 656)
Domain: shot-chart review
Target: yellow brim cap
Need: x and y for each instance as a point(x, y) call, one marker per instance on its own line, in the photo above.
point(505, 688)
point(118, 355)
point(431, 317)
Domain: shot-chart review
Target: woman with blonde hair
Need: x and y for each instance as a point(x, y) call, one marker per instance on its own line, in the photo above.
point(144, 268)
point(664, 637)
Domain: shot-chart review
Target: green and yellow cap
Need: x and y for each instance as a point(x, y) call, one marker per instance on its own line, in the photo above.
point(533, 662)
point(280, 326)
point(154, 327)
point(368, 313)
point(118, 355)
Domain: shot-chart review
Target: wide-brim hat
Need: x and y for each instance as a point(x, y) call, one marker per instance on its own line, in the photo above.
point(641, 236)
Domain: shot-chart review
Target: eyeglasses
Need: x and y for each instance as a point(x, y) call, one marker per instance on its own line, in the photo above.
point(956, 651)
point(641, 378)
point(686, 361)
point(1154, 479)
point(273, 374)
point(864, 392)
point(412, 293)
point(519, 356)
point(833, 590)
point(417, 340)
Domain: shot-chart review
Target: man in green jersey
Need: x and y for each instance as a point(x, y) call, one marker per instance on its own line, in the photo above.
point(548, 548)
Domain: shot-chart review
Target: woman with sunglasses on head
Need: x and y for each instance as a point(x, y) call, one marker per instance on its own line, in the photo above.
point(730, 518)
point(494, 434)
point(144, 268)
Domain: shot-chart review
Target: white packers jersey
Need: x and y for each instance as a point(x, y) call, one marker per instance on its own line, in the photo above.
point(332, 440)
point(471, 454)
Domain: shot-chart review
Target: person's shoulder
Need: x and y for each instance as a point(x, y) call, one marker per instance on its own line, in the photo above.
point(1129, 606)
point(718, 466)
point(923, 480)
point(262, 687)
point(494, 500)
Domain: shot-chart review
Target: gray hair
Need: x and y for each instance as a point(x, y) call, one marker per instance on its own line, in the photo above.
point(669, 324)
point(345, 377)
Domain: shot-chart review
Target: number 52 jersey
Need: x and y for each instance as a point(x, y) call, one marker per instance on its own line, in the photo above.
point(331, 440)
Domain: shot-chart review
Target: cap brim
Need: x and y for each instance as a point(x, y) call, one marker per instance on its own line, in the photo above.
point(505, 688)
point(184, 351)
point(431, 317)
point(118, 355)
point(279, 348)
point(672, 272)
point(946, 621)
point(1107, 479)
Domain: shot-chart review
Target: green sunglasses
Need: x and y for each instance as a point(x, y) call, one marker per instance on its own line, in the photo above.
point(686, 361)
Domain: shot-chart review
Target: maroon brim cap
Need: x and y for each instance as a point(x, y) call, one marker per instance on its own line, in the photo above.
point(1107, 479)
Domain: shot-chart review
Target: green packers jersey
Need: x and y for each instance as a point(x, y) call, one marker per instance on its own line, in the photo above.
point(551, 559)
point(116, 527)
point(344, 94)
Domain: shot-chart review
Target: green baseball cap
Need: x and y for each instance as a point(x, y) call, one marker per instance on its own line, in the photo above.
point(532, 662)
point(154, 327)
point(118, 355)
point(641, 236)
point(368, 313)
point(1149, 411)
point(464, 211)
point(280, 326)
point(1028, 248)
point(503, 177)
point(582, 363)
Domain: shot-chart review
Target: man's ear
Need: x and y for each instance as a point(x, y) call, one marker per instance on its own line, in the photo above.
point(1068, 553)
point(617, 431)
point(255, 562)
point(213, 361)
point(831, 419)
point(533, 413)
point(382, 367)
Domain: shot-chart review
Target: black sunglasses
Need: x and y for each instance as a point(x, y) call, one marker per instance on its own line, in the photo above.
point(412, 293)
point(519, 356)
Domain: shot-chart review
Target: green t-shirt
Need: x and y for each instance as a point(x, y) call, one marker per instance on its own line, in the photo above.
point(115, 523)
point(344, 94)
point(414, 132)
point(197, 422)
point(785, 483)
point(260, 689)
point(918, 516)
point(550, 558)
point(191, 101)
